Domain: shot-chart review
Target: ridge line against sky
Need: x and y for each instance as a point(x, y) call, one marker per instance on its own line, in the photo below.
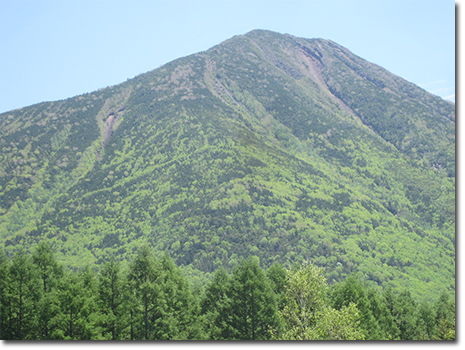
point(52, 50)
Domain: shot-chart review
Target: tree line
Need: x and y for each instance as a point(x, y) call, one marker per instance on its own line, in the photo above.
point(149, 298)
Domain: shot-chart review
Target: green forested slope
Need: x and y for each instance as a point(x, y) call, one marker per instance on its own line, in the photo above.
point(268, 145)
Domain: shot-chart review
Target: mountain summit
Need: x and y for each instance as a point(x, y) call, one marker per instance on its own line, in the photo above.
point(287, 148)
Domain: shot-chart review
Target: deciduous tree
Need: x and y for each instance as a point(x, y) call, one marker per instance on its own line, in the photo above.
point(307, 315)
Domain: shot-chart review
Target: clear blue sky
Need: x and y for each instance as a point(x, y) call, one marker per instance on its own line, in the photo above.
point(52, 50)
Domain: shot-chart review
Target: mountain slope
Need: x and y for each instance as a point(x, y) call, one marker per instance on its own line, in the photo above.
point(267, 144)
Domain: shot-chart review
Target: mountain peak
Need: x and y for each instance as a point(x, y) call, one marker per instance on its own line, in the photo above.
point(267, 144)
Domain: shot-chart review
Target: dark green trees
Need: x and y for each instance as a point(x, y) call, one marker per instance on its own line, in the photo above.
point(142, 278)
point(113, 301)
point(151, 299)
point(242, 306)
point(49, 274)
point(252, 309)
point(444, 313)
point(162, 303)
point(404, 315)
point(5, 296)
point(277, 277)
point(353, 290)
point(215, 300)
point(391, 315)
point(176, 310)
point(425, 322)
point(22, 296)
point(80, 318)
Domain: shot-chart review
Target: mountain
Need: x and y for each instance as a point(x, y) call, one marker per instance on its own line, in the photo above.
point(266, 144)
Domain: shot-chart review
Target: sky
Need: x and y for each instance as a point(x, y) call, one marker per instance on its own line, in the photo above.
point(52, 50)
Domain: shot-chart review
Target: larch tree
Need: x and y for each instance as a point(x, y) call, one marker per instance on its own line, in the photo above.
point(113, 300)
point(142, 277)
point(50, 272)
point(252, 310)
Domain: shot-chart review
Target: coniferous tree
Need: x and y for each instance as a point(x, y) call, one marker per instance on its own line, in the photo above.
point(39, 300)
point(50, 273)
point(404, 313)
point(6, 321)
point(383, 319)
point(142, 277)
point(79, 319)
point(113, 301)
point(444, 311)
point(24, 297)
point(252, 311)
point(425, 323)
point(354, 290)
point(277, 276)
point(69, 305)
point(175, 312)
point(89, 319)
point(214, 304)
point(49, 269)
point(390, 326)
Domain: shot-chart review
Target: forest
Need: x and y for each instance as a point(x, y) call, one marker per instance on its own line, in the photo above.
point(149, 298)
point(256, 164)
point(271, 187)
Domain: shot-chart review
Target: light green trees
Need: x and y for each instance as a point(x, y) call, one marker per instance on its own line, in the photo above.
point(306, 315)
point(340, 324)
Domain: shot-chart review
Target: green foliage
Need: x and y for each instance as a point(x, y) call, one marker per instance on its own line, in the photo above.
point(444, 312)
point(304, 302)
point(285, 148)
point(163, 306)
point(142, 279)
point(306, 314)
point(80, 317)
point(177, 309)
point(22, 298)
point(151, 299)
point(335, 324)
point(50, 272)
point(252, 309)
point(277, 274)
point(215, 300)
point(113, 301)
